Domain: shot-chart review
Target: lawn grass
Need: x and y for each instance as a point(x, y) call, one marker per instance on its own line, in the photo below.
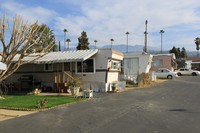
point(30, 101)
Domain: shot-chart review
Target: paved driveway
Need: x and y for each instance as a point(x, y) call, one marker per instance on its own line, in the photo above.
point(170, 107)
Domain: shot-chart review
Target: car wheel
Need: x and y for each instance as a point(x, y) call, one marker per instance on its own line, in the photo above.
point(169, 77)
point(194, 74)
point(179, 74)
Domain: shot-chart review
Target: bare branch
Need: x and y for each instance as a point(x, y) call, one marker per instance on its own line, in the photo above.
point(22, 37)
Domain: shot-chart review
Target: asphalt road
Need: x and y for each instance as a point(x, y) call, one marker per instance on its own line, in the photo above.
point(170, 107)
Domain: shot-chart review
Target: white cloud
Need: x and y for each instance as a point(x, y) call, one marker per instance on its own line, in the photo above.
point(29, 13)
point(111, 19)
point(103, 19)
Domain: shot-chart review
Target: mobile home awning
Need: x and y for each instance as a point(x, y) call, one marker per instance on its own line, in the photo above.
point(66, 56)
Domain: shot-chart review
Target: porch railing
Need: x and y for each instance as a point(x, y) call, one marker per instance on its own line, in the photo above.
point(62, 77)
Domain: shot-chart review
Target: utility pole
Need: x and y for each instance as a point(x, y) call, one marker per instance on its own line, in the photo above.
point(145, 39)
point(161, 33)
point(127, 33)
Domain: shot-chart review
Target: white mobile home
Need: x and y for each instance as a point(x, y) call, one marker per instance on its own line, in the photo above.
point(135, 64)
point(95, 68)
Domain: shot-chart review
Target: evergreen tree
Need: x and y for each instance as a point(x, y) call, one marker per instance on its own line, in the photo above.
point(83, 43)
point(46, 36)
point(179, 53)
point(183, 53)
point(175, 51)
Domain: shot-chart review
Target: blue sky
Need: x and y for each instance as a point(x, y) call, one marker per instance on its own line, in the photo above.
point(106, 19)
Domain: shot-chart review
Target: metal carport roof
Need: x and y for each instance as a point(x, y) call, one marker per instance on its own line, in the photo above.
point(66, 56)
point(60, 56)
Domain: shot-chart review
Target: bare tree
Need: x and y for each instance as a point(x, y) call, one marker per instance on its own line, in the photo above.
point(16, 38)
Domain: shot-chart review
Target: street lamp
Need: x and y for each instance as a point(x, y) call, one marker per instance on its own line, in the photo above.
point(161, 32)
point(68, 41)
point(65, 31)
point(145, 39)
point(127, 33)
point(95, 41)
point(111, 42)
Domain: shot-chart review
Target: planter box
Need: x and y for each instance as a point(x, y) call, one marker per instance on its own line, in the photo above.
point(88, 93)
point(74, 91)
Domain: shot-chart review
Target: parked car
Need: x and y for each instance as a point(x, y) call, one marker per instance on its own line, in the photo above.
point(186, 71)
point(165, 73)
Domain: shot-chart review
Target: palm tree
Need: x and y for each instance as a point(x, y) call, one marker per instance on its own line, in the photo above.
point(161, 32)
point(68, 41)
point(95, 41)
point(111, 42)
point(197, 42)
point(65, 31)
point(127, 33)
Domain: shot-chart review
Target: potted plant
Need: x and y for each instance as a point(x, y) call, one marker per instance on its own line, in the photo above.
point(74, 86)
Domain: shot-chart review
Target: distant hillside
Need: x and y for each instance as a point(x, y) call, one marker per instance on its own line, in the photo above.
point(135, 48)
point(131, 48)
point(122, 48)
point(139, 48)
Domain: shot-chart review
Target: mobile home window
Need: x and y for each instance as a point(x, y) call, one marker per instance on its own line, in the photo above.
point(48, 67)
point(86, 66)
point(67, 66)
point(157, 63)
point(115, 65)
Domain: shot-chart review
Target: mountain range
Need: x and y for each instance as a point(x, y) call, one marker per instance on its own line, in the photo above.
point(139, 48)
point(131, 48)
point(136, 48)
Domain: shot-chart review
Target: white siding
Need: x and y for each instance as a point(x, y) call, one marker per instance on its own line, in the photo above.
point(112, 76)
